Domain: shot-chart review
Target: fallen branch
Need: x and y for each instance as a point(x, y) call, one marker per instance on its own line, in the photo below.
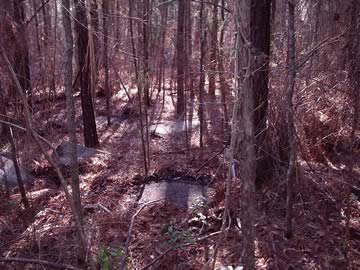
point(41, 262)
point(210, 159)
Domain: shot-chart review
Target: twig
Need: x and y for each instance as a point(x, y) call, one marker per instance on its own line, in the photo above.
point(41, 262)
point(210, 159)
point(128, 239)
point(36, 12)
point(104, 208)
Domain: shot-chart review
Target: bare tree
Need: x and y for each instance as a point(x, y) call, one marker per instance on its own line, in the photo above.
point(290, 177)
point(242, 136)
point(213, 49)
point(260, 38)
point(105, 11)
point(81, 27)
point(202, 71)
point(70, 107)
point(180, 52)
point(22, 62)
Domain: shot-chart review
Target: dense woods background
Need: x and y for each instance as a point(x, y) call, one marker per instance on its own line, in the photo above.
point(254, 101)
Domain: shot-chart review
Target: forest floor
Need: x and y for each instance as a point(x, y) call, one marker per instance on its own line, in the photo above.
point(164, 236)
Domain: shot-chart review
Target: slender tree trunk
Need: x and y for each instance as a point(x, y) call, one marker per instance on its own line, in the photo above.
point(189, 64)
point(223, 85)
point(105, 11)
point(134, 52)
point(180, 48)
point(164, 16)
point(290, 177)
point(90, 133)
point(202, 72)
point(242, 137)
point(70, 106)
point(145, 32)
point(46, 22)
point(94, 21)
point(22, 62)
point(37, 33)
point(117, 8)
point(213, 49)
point(53, 82)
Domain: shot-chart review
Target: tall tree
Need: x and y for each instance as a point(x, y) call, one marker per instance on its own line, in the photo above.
point(213, 49)
point(46, 21)
point(70, 107)
point(180, 52)
point(242, 137)
point(223, 85)
point(146, 40)
point(202, 71)
point(260, 22)
point(290, 177)
point(90, 133)
point(105, 10)
point(22, 61)
point(75, 203)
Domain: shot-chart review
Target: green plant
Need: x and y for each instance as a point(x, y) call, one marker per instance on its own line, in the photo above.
point(176, 236)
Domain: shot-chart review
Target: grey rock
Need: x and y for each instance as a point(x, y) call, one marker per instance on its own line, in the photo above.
point(179, 194)
point(63, 153)
point(7, 169)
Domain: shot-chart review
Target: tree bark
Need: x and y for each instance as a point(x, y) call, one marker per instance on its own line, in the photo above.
point(202, 72)
point(70, 108)
point(242, 137)
point(260, 22)
point(290, 177)
point(145, 32)
point(90, 133)
point(213, 49)
point(105, 11)
point(223, 85)
point(22, 61)
point(180, 48)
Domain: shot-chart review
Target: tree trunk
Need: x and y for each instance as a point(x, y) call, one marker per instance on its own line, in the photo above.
point(46, 22)
point(70, 108)
point(223, 85)
point(180, 48)
point(213, 49)
point(94, 21)
point(22, 62)
point(37, 33)
point(134, 52)
point(354, 77)
point(290, 177)
point(90, 133)
point(145, 31)
point(242, 137)
point(260, 37)
point(105, 11)
point(202, 72)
